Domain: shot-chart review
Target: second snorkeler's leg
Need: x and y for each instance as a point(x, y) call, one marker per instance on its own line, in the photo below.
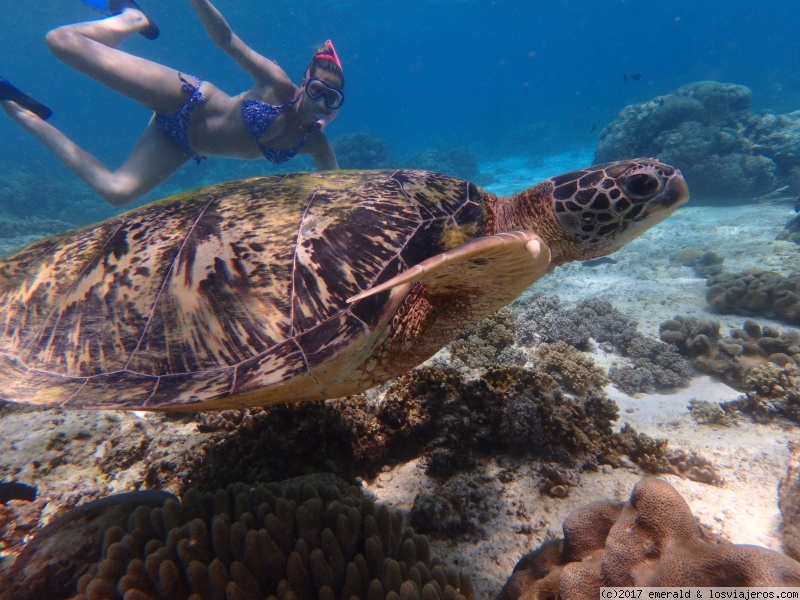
point(90, 48)
point(154, 158)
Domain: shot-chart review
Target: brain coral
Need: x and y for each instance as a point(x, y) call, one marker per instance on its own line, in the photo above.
point(731, 357)
point(756, 292)
point(312, 537)
point(651, 540)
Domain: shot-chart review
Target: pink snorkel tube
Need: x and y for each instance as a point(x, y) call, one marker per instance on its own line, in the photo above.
point(335, 58)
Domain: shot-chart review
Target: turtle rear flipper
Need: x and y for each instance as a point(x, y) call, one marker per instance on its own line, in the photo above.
point(497, 266)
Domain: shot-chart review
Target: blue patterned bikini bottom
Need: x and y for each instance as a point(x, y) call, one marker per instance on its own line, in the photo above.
point(176, 125)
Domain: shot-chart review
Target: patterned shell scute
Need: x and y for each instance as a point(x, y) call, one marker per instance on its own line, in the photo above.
point(220, 291)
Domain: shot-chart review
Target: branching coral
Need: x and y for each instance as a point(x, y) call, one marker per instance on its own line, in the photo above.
point(651, 540)
point(544, 318)
point(772, 391)
point(343, 437)
point(645, 451)
point(655, 365)
point(460, 507)
point(573, 370)
point(489, 342)
point(708, 413)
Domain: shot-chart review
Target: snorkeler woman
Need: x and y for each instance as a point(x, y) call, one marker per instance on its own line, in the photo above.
point(275, 118)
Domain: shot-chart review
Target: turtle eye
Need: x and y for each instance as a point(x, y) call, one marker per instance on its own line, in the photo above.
point(641, 185)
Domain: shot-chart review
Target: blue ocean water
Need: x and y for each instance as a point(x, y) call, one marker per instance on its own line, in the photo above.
point(503, 77)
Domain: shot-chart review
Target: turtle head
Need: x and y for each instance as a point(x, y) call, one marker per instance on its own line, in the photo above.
point(601, 208)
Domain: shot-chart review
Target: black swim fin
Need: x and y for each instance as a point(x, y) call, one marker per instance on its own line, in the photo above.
point(9, 92)
point(114, 7)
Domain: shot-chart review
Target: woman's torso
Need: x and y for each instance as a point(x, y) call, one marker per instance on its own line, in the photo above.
point(217, 127)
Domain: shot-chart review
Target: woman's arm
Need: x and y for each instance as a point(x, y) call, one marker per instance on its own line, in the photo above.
point(322, 152)
point(262, 69)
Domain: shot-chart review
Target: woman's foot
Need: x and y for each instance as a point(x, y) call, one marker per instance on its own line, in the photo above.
point(22, 100)
point(115, 7)
point(29, 121)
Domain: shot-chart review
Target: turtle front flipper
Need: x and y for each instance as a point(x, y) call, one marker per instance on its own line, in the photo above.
point(503, 264)
point(451, 292)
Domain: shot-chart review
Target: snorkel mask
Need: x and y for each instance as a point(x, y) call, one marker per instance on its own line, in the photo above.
point(322, 93)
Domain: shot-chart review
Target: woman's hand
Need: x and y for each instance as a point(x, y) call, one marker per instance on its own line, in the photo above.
point(263, 70)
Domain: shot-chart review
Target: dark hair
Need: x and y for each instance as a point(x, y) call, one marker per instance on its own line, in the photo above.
point(321, 62)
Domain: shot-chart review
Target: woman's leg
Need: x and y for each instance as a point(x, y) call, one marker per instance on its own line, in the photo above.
point(91, 49)
point(154, 158)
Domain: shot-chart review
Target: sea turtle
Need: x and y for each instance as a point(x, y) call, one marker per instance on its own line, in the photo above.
point(295, 287)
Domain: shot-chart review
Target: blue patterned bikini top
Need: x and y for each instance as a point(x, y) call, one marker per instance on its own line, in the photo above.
point(258, 116)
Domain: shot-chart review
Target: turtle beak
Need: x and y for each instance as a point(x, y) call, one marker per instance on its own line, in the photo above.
point(676, 192)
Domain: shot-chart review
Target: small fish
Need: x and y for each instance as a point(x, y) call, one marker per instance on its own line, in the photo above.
point(594, 128)
point(16, 491)
point(596, 262)
point(632, 76)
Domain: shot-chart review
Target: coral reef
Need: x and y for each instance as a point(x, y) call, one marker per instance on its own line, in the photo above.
point(692, 466)
point(709, 413)
point(573, 370)
point(757, 292)
point(25, 196)
point(307, 537)
point(508, 409)
point(222, 420)
point(362, 151)
point(460, 508)
point(706, 129)
point(655, 366)
point(651, 365)
point(544, 318)
point(791, 231)
point(650, 454)
point(60, 553)
point(705, 264)
point(731, 357)
point(772, 391)
point(458, 162)
point(651, 540)
point(341, 437)
point(34, 226)
point(789, 502)
point(431, 412)
point(489, 342)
